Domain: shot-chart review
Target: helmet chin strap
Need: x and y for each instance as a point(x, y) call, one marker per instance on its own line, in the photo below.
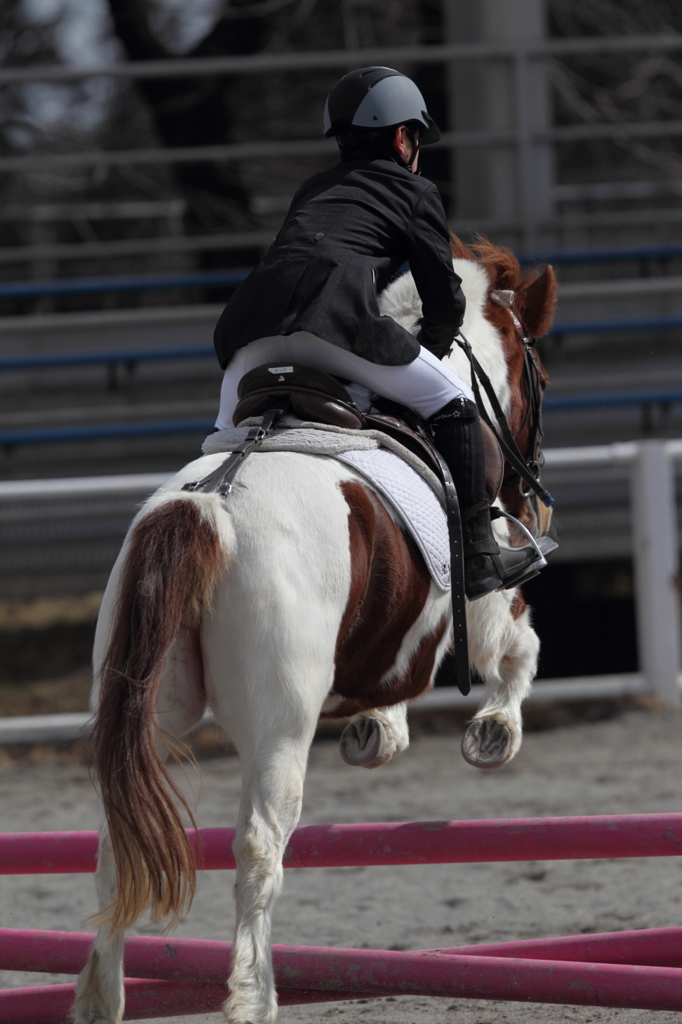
point(407, 164)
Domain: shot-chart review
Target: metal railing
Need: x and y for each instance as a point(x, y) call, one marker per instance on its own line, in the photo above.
point(316, 147)
point(192, 67)
point(521, 56)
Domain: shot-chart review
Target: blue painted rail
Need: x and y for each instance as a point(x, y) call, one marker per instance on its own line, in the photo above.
point(649, 323)
point(604, 399)
point(140, 355)
point(67, 359)
point(234, 276)
point(121, 283)
point(105, 432)
point(672, 250)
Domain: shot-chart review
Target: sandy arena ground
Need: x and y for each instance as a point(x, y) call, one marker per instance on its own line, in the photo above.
point(628, 764)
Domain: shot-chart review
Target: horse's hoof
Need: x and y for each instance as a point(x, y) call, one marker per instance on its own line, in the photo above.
point(361, 743)
point(486, 743)
point(78, 1019)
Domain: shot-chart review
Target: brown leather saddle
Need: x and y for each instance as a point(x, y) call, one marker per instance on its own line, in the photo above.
point(317, 396)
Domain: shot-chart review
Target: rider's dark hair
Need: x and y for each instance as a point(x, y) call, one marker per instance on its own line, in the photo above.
point(373, 143)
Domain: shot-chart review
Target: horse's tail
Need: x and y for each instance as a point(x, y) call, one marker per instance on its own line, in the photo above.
point(176, 555)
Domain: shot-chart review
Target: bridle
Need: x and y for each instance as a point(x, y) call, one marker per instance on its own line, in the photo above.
point(526, 471)
point(526, 467)
point(532, 421)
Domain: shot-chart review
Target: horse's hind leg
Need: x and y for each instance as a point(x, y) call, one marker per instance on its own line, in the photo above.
point(372, 738)
point(99, 992)
point(504, 648)
point(270, 706)
point(269, 812)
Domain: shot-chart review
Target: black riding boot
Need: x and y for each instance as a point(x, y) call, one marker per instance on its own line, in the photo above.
point(459, 439)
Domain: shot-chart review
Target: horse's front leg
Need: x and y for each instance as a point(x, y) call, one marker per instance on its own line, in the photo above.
point(504, 648)
point(372, 738)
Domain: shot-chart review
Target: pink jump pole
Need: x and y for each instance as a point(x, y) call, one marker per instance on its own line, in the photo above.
point(51, 1004)
point(339, 974)
point(647, 947)
point(202, 961)
point(435, 842)
point(197, 961)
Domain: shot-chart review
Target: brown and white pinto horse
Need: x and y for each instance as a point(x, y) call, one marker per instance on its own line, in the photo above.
point(298, 595)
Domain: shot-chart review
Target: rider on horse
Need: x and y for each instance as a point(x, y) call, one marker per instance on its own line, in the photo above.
point(313, 299)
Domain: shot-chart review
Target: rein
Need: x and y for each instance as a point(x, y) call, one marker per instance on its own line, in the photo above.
point(527, 469)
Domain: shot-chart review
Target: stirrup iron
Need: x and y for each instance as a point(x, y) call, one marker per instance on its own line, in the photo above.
point(542, 546)
point(500, 514)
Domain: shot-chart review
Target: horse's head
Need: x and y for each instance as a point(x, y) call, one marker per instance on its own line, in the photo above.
point(520, 309)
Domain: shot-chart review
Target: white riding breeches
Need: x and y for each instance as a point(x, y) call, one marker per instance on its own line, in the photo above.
point(425, 385)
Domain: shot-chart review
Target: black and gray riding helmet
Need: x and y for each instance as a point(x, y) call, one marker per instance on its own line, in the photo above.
point(377, 98)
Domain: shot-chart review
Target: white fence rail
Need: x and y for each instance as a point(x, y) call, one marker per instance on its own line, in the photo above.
point(68, 728)
point(655, 547)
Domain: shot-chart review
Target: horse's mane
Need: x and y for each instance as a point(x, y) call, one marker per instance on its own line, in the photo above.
point(535, 294)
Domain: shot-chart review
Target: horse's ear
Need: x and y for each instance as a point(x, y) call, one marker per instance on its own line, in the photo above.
point(535, 301)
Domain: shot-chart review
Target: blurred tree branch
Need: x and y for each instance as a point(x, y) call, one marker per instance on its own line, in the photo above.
point(195, 111)
point(619, 87)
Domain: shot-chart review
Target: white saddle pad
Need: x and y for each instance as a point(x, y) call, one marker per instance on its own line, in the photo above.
point(415, 503)
point(415, 493)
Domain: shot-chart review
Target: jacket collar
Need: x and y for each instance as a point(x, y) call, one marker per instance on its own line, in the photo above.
point(380, 163)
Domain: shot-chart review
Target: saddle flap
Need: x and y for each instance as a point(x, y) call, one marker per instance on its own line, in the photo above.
point(494, 463)
point(313, 394)
point(402, 432)
point(399, 431)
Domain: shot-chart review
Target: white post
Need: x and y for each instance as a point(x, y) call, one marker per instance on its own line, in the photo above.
point(499, 182)
point(654, 524)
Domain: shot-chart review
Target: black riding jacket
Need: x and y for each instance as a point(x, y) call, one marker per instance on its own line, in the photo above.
point(347, 233)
